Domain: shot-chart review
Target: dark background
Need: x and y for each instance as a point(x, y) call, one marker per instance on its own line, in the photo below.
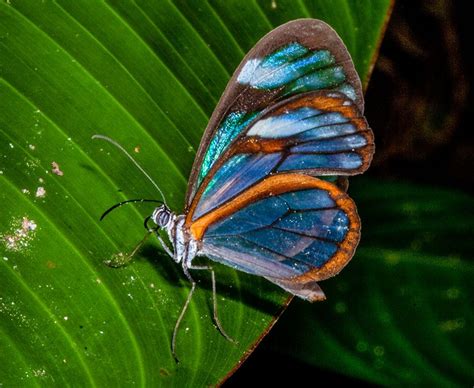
point(419, 102)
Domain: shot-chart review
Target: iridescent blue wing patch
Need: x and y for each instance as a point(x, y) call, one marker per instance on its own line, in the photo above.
point(298, 57)
point(295, 68)
point(315, 133)
point(292, 229)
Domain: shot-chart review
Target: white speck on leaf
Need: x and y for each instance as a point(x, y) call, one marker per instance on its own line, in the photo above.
point(55, 169)
point(39, 372)
point(21, 233)
point(40, 192)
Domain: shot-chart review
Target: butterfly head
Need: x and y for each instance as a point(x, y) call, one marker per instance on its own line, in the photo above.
point(162, 216)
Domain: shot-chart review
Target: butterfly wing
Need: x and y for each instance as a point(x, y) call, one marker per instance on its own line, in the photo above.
point(297, 57)
point(292, 111)
point(292, 229)
point(315, 133)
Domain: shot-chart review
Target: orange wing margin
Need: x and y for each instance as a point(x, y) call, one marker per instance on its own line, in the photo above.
point(284, 183)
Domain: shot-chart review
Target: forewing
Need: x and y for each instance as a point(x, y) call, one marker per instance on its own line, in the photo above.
point(316, 133)
point(297, 57)
point(292, 229)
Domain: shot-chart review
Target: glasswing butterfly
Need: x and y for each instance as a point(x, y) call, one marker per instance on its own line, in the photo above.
point(267, 191)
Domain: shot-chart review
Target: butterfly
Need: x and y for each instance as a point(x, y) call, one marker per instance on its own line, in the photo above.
point(267, 191)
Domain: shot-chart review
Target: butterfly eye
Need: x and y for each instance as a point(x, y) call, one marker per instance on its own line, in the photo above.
point(161, 216)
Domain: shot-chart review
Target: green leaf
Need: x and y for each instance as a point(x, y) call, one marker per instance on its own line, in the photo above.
point(401, 312)
point(148, 74)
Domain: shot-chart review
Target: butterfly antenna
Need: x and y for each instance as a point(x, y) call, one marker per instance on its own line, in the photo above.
point(128, 201)
point(113, 142)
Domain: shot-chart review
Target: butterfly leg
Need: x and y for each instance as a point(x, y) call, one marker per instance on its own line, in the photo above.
point(164, 246)
point(183, 310)
point(121, 260)
point(214, 302)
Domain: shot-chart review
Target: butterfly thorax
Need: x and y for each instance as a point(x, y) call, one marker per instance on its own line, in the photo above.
point(184, 246)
